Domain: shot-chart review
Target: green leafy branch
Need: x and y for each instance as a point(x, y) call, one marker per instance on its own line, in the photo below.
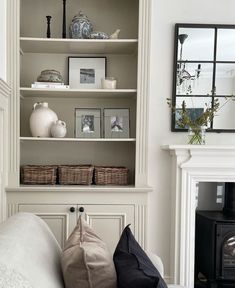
point(202, 120)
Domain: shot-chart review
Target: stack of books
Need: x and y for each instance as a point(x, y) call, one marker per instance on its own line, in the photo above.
point(50, 85)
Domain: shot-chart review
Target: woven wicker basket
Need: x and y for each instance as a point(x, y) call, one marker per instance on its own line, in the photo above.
point(111, 175)
point(38, 174)
point(75, 174)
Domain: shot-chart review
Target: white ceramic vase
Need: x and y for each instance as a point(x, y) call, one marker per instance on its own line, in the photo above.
point(41, 120)
point(58, 129)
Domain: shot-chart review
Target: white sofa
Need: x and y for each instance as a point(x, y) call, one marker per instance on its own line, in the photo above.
point(30, 254)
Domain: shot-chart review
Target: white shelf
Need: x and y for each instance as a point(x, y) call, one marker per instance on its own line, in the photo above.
point(78, 46)
point(36, 139)
point(77, 93)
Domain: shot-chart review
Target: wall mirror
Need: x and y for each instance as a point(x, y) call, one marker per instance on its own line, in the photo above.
point(204, 70)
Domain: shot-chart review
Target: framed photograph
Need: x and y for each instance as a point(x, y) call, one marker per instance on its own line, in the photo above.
point(193, 113)
point(87, 123)
point(116, 123)
point(86, 72)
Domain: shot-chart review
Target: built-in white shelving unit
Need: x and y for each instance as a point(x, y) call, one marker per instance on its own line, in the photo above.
point(106, 208)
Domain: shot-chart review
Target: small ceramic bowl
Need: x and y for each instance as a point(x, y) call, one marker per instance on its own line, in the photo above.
point(98, 35)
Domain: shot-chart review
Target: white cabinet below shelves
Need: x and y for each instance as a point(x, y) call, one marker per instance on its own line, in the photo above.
point(107, 210)
point(57, 217)
point(108, 221)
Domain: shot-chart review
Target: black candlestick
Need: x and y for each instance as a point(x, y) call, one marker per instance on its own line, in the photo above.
point(48, 26)
point(64, 19)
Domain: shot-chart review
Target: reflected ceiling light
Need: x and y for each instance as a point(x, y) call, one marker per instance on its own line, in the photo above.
point(182, 74)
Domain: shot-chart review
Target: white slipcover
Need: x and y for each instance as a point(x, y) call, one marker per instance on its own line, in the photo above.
point(29, 254)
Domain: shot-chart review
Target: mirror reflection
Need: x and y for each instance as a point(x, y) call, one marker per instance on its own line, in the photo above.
point(204, 69)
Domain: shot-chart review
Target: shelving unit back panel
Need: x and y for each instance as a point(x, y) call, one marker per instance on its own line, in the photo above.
point(122, 67)
point(114, 154)
point(65, 110)
point(106, 16)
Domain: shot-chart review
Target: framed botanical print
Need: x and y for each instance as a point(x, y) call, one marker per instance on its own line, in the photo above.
point(86, 72)
point(116, 123)
point(87, 123)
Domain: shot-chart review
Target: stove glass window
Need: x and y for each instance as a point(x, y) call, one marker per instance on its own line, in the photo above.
point(229, 252)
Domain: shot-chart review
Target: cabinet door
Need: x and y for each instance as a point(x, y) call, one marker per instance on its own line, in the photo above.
point(108, 221)
point(58, 217)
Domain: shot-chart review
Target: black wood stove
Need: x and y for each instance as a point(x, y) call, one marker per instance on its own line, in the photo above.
point(215, 243)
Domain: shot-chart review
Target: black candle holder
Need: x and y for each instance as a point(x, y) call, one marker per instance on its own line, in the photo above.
point(48, 26)
point(64, 20)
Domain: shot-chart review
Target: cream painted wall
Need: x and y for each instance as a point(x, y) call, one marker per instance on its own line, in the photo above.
point(165, 13)
point(3, 39)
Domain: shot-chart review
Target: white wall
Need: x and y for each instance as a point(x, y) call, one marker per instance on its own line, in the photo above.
point(3, 39)
point(165, 13)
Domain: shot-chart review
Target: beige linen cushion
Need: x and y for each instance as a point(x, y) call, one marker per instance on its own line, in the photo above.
point(86, 260)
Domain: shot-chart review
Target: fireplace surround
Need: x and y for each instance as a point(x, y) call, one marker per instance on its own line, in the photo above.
point(192, 164)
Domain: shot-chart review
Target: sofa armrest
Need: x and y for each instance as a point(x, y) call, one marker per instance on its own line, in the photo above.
point(157, 262)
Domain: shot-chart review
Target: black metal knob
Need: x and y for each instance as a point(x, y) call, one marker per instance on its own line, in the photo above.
point(81, 209)
point(72, 209)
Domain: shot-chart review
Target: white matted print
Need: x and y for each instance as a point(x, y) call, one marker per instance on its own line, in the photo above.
point(86, 72)
point(87, 123)
point(116, 123)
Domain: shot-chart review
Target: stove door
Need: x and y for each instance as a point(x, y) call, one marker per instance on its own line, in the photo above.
point(227, 249)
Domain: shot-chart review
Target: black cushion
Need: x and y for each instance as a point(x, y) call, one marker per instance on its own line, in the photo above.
point(134, 268)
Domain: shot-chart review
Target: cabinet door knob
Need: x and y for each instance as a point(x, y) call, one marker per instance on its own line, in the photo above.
point(72, 209)
point(81, 209)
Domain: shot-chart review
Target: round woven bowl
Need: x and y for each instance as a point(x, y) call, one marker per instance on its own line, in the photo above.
point(50, 76)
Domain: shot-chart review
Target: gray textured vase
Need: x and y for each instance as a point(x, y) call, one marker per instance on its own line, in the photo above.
point(50, 76)
point(81, 27)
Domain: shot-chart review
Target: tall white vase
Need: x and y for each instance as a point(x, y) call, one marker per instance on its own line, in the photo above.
point(41, 120)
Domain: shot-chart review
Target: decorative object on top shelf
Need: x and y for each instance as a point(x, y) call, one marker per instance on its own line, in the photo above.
point(58, 129)
point(185, 78)
point(64, 20)
point(87, 123)
point(109, 83)
point(41, 120)
point(116, 123)
point(81, 27)
point(106, 175)
point(48, 26)
point(98, 35)
point(195, 119)
point(50, 75)
point(86, 72)
point(115, 35)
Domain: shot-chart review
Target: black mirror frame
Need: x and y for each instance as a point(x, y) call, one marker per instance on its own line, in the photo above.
point(190, 25)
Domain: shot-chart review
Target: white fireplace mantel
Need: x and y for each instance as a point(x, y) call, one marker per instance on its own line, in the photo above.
point(192, 164)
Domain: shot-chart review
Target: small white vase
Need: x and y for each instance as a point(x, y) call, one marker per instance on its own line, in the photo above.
point(58, 129)
point(41, 120)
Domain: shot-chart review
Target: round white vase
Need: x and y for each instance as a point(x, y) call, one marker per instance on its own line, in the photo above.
point(41, 120)
point(58, 129)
